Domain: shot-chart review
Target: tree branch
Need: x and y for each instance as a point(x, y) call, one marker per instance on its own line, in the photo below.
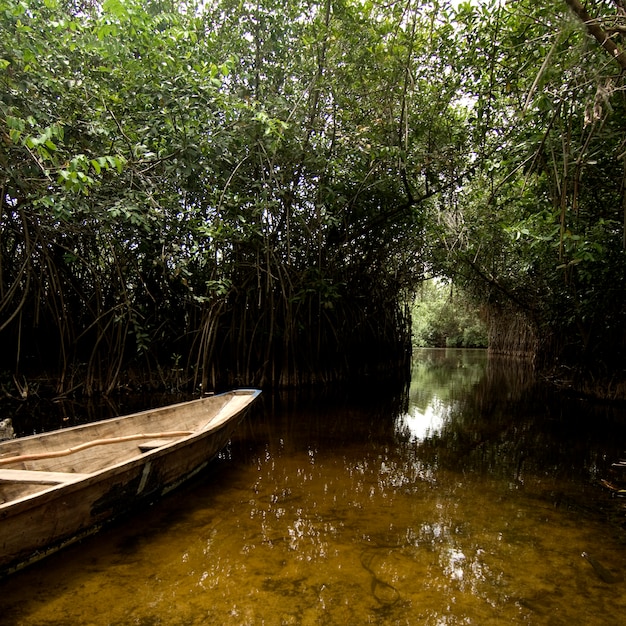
point(600, 35)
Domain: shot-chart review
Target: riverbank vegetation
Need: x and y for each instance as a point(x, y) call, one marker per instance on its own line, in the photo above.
point(444, 318)
point(235, 193)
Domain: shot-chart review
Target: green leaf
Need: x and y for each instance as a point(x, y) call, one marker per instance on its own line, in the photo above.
point(115, 8)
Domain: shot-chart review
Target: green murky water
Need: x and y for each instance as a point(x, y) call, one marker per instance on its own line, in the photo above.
point(467, 499)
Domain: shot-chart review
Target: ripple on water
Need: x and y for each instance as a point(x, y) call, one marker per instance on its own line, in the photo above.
point(326, 517)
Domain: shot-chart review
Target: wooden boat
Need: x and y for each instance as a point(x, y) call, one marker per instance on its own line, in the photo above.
point(57, 487)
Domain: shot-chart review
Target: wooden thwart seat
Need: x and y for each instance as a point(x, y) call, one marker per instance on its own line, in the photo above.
point(146, 446)
point(35, 476)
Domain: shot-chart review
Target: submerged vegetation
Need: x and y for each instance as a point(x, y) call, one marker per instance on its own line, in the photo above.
point(253, 193)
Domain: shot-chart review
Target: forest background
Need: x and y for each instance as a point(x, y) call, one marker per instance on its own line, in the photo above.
point(253, 193)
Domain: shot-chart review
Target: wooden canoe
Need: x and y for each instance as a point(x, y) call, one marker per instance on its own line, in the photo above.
point(58, 487)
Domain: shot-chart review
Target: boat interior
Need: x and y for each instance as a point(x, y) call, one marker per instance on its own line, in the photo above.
point(35, 463)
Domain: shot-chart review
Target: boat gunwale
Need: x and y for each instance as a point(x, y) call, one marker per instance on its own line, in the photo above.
point(109, 420)
point(50, 492)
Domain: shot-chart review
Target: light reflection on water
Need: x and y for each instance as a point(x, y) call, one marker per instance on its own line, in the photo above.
point(456, 503)
point(424, 423)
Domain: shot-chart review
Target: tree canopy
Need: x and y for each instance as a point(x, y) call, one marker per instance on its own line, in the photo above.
point(540, 229)
point(237, 192)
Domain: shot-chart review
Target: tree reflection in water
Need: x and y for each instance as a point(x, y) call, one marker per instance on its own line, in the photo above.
point(467, 497)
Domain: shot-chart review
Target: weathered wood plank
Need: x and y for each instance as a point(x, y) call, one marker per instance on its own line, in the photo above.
point(146, 446)
point(34, 476)
point(89, 444)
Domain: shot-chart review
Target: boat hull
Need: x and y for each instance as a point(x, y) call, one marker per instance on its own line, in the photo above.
point(38, 524)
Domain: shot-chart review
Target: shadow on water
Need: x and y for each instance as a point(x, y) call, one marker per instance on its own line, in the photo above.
point(470, 496)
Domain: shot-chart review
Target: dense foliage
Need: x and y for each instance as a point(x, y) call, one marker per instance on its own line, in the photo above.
point(218, 193)
point(540, 230)
point(252, 193)
point(443, 317)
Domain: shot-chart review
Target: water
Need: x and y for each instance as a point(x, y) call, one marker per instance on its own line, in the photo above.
point(468, 498)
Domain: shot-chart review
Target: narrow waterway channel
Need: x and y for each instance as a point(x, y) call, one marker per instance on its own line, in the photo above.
point(470, 497)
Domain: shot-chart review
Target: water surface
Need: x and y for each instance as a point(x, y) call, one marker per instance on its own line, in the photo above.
point(467, 498)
